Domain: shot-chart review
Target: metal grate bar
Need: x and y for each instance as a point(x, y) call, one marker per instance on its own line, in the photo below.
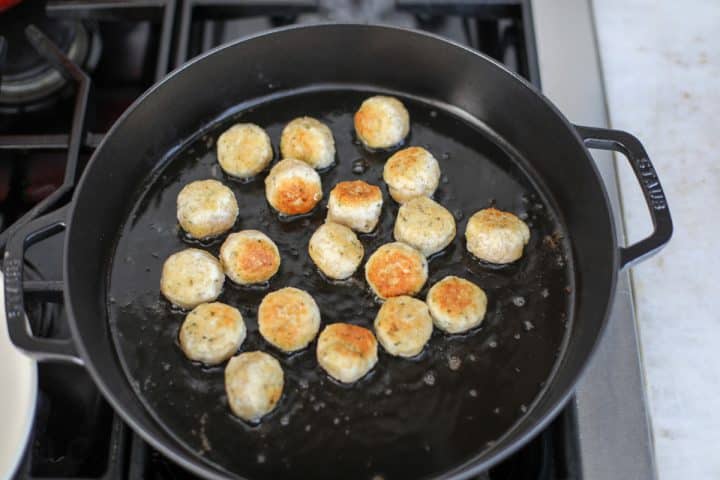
point(157, 11)
point(66, 67)
point(199, 10)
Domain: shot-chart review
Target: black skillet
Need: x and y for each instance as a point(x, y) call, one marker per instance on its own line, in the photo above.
point(468, 401)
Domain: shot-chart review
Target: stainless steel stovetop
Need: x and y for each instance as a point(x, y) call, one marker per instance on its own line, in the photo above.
point(610, 403)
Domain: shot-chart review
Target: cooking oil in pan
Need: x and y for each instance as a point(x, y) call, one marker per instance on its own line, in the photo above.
point(448, 404)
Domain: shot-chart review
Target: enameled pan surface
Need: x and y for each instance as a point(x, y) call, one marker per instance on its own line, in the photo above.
point(407, 418)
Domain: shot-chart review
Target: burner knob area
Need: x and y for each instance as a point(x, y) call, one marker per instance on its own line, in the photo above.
point(27, 81)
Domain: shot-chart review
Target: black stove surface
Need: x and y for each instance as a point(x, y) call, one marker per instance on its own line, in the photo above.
point(135, 43)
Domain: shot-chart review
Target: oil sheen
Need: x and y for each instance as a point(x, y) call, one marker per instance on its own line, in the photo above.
point(407, 418)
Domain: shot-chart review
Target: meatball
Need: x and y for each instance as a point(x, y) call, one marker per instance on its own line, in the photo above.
point(336, 250)
point(424, 224)
point(411, 172)
point(355, 204)
point(206, 208)
point(382, 122)
point(249, 257)
point(254, 383)
point(293, 187)
point(496, 236)
point(289, 319)
point(346, 352)
point(191, 277)
point(396, 269)
point(244, 150)
point(456, 304)
point(403, 326)
point(212, 333)
point(309, 140)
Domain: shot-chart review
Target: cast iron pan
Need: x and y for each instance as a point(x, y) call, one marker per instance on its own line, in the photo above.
point(407, 418)
point(470, 400)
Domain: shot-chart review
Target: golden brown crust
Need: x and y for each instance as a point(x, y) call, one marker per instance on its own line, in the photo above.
point(356, 192)
point(454, 295)
point(279, 315)
point(288, 318)
point(394, 323)
point(350, 340)
point(346, 352)
point(258, 260)
point(368, 121)
point(303, 145)
point(456, 304)
point(396, 269)
point(492, 217)
point(249, 256)
point(295, 196)
point(355, 204)
point(293, 187)
point(404, 160)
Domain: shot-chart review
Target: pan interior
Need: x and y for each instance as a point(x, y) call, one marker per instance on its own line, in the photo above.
point(407, 418)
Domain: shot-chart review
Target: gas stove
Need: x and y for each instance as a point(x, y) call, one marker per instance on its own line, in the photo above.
point(67, 78)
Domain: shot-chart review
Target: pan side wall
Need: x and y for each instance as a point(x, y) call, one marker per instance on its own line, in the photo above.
point(387, 58)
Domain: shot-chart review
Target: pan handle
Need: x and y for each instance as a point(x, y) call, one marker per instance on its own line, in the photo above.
point(42, 349)
point(632, 149)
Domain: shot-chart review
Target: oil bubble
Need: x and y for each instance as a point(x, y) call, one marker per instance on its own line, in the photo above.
point(518, 301)
point(454, 362)
point(360, 166)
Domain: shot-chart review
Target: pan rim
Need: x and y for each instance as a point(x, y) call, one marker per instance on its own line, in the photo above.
point(473, 465)
point(453, 110)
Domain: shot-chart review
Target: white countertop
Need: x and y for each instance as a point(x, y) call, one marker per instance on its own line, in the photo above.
point(661, 62)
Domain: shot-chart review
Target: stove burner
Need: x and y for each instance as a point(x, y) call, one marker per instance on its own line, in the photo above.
point(28, 82)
